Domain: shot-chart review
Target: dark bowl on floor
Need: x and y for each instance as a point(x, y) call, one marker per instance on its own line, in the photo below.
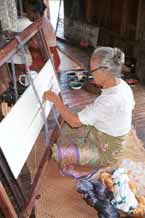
point(71, 74)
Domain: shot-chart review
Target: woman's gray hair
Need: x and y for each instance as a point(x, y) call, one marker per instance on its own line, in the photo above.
point(111, 58)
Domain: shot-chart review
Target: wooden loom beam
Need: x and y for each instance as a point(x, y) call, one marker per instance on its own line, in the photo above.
point(11, 47)
point(5, 203)
point(11, 182)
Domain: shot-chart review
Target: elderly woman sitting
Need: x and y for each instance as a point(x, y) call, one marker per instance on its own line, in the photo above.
point(100, 135)
point(105, 124)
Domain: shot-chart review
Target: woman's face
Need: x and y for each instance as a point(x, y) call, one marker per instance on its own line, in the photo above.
point(99, 75)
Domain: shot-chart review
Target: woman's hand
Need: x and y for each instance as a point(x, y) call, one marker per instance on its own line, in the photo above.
point(67, 115)
point(50, 96)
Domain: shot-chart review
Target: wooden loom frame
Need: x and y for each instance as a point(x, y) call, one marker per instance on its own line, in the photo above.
point(5, 203)
point(25, 206)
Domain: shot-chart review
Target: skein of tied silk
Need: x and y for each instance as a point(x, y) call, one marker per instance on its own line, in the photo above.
point(138, 212)
point(68, 158)
point(70, 153)
point(66, 155)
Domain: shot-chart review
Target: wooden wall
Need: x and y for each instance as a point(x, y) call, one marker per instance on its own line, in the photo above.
point(140, 42)
point(120, 23)
point(118, 16)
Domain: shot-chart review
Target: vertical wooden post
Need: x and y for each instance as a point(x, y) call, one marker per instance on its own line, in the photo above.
point(138, 22)
point(89, 10)
point(124, 18)
point(21, 7)
point(5, 204)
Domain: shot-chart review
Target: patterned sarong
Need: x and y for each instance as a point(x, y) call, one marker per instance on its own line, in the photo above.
point(87, 146)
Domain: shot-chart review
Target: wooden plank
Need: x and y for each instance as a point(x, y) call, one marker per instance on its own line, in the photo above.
point(5, 204)
point(13, 185)
point(11, 47)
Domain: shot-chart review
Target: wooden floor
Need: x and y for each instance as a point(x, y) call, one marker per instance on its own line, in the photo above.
point(139, 111)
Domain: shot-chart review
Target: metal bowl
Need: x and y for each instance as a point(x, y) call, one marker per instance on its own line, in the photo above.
point(71, 74)
point(75, 85)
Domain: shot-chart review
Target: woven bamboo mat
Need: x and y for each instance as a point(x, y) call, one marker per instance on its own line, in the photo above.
point(58, 197)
